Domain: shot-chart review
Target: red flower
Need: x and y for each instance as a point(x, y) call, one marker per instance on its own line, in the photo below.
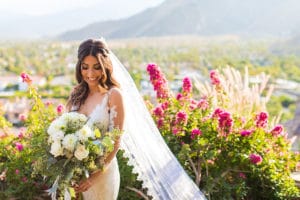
point(158, 111)
point(214, 77)
point(26, 78)
point(255, 159)
point(277, 130)
point(59, 108)
point(195, 132)
point(262, 119)
point(187, 85)
point(245, 133)
point(19, 146)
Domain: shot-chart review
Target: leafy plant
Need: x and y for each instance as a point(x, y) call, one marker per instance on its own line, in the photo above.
point(225, 140)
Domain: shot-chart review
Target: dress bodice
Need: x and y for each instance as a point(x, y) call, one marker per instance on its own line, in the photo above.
point(102, 116)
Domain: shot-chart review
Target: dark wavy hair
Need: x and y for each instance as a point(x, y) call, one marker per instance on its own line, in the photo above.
point(98, 49)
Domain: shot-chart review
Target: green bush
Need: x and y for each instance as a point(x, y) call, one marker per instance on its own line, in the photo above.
point(225, 140)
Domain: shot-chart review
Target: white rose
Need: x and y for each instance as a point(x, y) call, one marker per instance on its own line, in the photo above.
point(81, 152)
point(56, 149)
point(57, 136)
point(56, 125)
point(84, 133)
point(69, 142)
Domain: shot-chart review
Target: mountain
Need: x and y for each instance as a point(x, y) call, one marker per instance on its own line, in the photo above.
point(24, 26)
point(262, 18)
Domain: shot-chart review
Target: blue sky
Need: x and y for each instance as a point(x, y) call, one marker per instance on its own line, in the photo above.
point(42, 7)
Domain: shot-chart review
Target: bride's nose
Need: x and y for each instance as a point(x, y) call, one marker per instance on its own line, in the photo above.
point(90, 71)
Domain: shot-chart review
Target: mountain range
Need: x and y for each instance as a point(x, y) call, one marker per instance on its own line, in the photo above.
point(249, 18)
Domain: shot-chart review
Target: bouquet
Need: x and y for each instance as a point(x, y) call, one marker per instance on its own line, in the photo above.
point(74, 149)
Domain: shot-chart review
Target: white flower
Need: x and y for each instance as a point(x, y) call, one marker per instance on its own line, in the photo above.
point(57, 136)
point(69, 142)
point(84, 133)
point(55, 126)
point(56, 149)
point(81, 152)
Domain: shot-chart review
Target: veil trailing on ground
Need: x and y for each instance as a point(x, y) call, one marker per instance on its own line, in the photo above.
point(149, 155)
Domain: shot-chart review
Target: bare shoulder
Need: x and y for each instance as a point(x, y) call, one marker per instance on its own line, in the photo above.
point(115, 95)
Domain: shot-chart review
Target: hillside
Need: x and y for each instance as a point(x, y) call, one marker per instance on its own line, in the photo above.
point(254, 18)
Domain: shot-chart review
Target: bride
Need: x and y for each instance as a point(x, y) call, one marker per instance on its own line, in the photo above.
point(105, 92)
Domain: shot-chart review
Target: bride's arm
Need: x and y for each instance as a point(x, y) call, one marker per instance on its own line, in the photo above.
point(117, 112)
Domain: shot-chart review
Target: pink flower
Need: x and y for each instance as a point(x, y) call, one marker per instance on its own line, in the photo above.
point(158, 111)
point(225, 121)
point(158, 81)
point(255, 158)
point(179, 96)
point(175, 131)
point(59, 108)
point(217, 113)
point(165, 105)
point(181, 116)
point(26, 78)
point(17, 171)
point(20, 135)
point(160, 122)
point(195, 132)
point(261, 119)
point(22, 117)
point(245, 133)
point(24, 179)
point(19, 146)
point(214, 77)
point(277, 130)
point(203, 104)
point(210, 162)
point(242, 175)
point(48, 103)
point(187, 85)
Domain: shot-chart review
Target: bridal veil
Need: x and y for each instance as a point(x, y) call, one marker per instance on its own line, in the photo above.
point(149, 155)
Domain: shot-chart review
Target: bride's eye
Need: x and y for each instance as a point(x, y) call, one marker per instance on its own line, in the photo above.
point(97, 67)
point(84, 67)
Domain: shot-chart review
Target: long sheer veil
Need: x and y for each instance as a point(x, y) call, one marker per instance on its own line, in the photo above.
point(149, 155)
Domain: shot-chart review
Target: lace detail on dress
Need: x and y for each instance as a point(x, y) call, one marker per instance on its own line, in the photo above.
point(112, 115)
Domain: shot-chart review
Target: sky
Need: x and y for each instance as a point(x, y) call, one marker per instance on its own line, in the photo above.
point(43, 7)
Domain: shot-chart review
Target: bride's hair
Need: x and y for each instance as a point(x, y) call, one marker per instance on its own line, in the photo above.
point(98, 49)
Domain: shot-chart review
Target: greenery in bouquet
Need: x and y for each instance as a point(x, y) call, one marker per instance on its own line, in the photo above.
point(224, 137)
point(75, 148)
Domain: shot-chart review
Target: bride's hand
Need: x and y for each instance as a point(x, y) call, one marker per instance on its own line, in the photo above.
point(87, 183)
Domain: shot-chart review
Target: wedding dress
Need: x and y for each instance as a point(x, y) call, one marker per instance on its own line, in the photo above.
point(106, 187)
point(156, 166)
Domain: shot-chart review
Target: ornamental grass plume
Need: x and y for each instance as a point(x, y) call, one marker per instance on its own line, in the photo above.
point(238, 95)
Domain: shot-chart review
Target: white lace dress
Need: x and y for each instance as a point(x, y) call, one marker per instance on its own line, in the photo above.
point(107, 184)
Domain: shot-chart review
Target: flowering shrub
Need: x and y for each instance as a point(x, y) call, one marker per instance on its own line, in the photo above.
point(19, 152)
point(24, 155)
point(224, 139)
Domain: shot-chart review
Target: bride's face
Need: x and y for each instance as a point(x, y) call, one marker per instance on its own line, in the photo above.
point(91, 70)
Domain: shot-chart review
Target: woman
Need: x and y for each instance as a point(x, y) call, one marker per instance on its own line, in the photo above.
point(97, 96)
